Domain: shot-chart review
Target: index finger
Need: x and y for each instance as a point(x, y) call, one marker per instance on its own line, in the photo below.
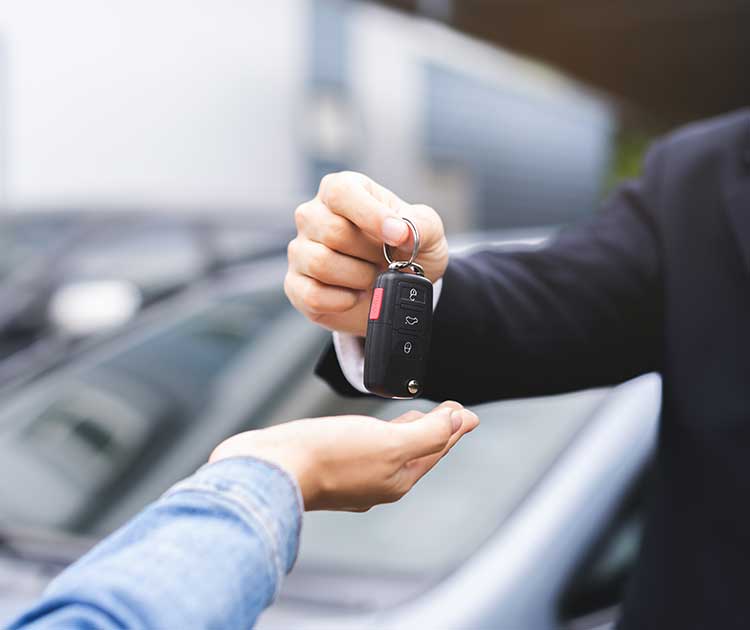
point(345, 194)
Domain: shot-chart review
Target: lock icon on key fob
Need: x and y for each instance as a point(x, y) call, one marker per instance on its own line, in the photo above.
point(399, 328)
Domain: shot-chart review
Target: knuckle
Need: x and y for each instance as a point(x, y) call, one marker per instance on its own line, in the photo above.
point(318, 262)
point(444, 436)
point(290, 290)
point(350, 176)
point(441, 435)
point(313, 298)
point(291, 249)
point(318, 318)
point(430, 217)
point(326, 181)
point(300, 216)
point(452, 404)
point(334, 190)
point(336, 234)
point(422, 208)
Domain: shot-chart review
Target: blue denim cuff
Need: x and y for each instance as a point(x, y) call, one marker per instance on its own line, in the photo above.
point(260, 493)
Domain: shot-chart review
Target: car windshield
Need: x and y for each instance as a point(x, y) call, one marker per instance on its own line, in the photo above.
point(26, 238)
point(72, 444)
point(154, 257)
point(458, 505)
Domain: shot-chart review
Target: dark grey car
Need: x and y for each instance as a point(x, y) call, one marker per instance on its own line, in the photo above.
point(528, 524)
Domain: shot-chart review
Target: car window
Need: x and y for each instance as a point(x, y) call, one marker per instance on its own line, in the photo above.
point(232, 243)
point(72, 443)
point(599, 582)
point(154, 257)
point(189, 356)
point(453, 510)
point(31, 238)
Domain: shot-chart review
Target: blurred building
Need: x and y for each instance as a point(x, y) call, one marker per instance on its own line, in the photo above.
point(238, 104)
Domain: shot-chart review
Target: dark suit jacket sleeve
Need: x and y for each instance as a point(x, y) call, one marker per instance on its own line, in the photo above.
point(584, 311)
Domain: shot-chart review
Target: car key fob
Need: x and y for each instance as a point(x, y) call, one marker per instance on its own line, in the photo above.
point(398, 335)
point(398, 329)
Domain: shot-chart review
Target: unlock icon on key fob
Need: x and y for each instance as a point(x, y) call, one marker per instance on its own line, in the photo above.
point(398, 328)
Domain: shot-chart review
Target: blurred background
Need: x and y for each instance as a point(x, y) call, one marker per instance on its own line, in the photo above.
point(151, 157)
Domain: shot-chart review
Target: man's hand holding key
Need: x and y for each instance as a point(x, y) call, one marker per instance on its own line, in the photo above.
point(338, 251)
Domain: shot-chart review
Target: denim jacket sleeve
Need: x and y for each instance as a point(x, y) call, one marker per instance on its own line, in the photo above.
point(211, 553)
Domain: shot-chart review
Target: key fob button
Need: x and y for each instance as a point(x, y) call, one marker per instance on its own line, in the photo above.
point(408, 347)
point(410, 320)
point(412, 293)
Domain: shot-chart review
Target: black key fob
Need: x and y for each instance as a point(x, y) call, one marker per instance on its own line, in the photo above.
point(398, 335)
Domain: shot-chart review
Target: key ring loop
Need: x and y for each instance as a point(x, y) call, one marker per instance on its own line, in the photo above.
point(401, 264)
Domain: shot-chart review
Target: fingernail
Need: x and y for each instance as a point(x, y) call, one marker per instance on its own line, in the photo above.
point(394, 231)
point(456, 420)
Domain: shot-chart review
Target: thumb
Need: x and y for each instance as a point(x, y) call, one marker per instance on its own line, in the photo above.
point(429, 434)
point(350, 196)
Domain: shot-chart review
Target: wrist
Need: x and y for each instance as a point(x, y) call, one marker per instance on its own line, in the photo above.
point(299, 464)
point(302, 469)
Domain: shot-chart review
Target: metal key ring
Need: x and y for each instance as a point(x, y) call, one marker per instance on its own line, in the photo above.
point(401, 264)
